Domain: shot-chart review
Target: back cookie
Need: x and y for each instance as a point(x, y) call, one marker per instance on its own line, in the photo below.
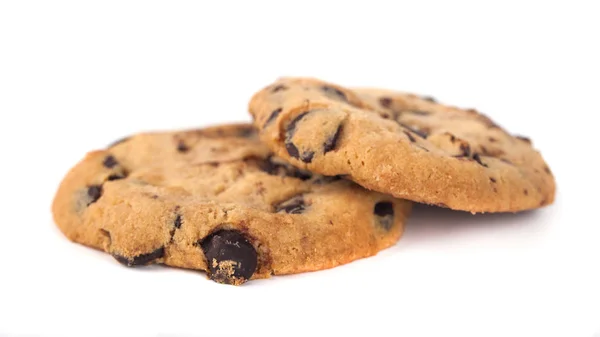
point(408, 146)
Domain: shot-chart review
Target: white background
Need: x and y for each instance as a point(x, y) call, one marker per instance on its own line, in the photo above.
point(75, 76)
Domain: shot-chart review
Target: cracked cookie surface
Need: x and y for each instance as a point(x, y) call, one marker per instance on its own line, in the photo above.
point(401, 144)
point(217, 200)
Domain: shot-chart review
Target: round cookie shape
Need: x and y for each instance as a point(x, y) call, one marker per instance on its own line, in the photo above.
point(217, 200)
point(402, 144)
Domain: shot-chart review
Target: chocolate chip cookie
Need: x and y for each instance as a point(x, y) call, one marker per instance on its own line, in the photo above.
point(217, 200)
point(408, 146)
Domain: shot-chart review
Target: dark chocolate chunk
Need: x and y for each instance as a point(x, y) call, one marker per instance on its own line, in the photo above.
point(525, 191)
point(279, 87)
point(110, 162)
point(384, 214)
point(332, 141)
point(294, 205)
point(422, 148)
point(142, 259)
point(182, 147)
point(291, 148)
point(246, 132)
point(334, 93)
point(492, 179)
point(118, 141)
point(230, 257)
point(477, 158)
point(523, 138)
point(488, 122)
point(465, 149)
point(410, 137)
point(307, 156)
point(419, 112)
point(273, 168)
point(177, 222)
point(413, 130)
point(385, 102)
point(272, 116)
point(326, 179)
point(115, 176)
point(484, 151)
point(94, 193)
point(291, 128)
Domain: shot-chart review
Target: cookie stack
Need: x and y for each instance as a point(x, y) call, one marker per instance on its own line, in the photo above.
point(326, 175)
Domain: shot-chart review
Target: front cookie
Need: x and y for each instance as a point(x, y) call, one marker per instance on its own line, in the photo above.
point(217, 200)
point(408, 146)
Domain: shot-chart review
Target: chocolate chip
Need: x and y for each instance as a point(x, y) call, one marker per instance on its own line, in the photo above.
point(492, 139)
point(384, 214)
point(410, 137)
point(182, 147)
point(419, 112)
point(334, 93)
point(547, 170)
point(478, 160)
point(385, 102)
point(422, 148)
point(332, 141)
point(429, 99)
point(413, 130)
point(246, 131)
point(465, 149)
point(177, 222)
point(492, 180)
point(94, 192)
point(291, 148)
point(307, 156)
point(525, 139)
point(526, 192)
point(272, 116)
point(279, 87)
point(294, 205)
point(118, 141)
point(319, 180)
point(142, 259)
point(483, 150)
point(230, 257)
point(273, 168)
point(487, 121)
point(115, 176)
point(110, 162)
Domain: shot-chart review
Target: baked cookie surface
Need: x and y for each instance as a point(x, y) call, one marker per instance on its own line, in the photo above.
point(408, 146)
point(216, 199)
